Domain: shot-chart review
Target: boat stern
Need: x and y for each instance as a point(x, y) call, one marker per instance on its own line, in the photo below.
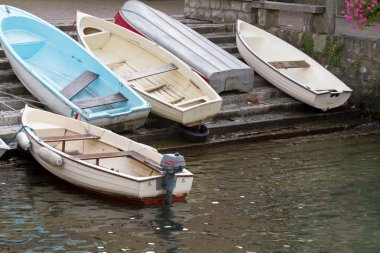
point(331, 99)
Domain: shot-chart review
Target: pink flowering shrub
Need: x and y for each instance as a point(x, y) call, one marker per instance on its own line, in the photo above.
point(362, 13)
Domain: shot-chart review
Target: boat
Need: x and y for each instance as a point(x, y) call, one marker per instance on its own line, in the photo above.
point(175, 91)
point(101, 161)
point(289, 69)
point(68, 80)
point(3, 147)
point(223, 71)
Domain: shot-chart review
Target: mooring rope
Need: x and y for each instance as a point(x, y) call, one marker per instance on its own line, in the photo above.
point(15, 135)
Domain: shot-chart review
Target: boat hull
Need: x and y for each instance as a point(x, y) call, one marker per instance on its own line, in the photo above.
point(223, 71)
point(100, 180)
point(44, 95)
point(64, 77)
point(323, 100)
point(197, 102)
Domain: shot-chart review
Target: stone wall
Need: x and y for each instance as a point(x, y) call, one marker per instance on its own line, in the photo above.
point(356, 61)
point(316, 2)
point(225, 11)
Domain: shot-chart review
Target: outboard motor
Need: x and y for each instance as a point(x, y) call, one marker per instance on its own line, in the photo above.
point(171, 164)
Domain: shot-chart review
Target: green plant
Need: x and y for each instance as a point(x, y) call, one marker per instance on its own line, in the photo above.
point(307, 44)
point(332, 52)
point(356, 64)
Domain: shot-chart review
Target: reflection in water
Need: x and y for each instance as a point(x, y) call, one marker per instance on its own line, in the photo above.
point(316, 194)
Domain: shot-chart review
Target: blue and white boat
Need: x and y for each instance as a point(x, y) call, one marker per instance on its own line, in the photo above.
point(64, 76)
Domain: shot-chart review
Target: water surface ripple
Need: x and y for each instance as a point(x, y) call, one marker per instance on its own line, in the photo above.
point(314, 194)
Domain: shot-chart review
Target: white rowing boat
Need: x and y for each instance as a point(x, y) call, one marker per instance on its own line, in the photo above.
point(289, 69)
point(169, 85)
point(101, 161)
point(3, 147)
point(222, 70)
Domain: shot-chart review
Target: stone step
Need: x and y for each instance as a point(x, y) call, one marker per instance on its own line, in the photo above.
point(2, 54)
point(221, 37)
point(229, 47)
point(263, 127)
point(16, 103)
point(275, 122)
point(208, 28)
point(190, 21)
point(261, 82)
point(256, 95)
point(4, 64)
point(9, 118)
point(7, 75)
point(14, 88)
point(233, 111)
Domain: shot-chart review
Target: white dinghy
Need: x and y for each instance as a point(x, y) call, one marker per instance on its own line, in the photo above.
point(174, 91)
point(223, 71)
point(3, 147)
point(289, 69)
point(101, 161)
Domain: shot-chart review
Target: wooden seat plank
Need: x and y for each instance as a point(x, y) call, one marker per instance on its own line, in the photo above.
point(150, 72)
point(177, 100)
point(289, 64)
point(78, 84)
point(98, 101)
point(101, 155)
point(157, 87)
point(129, 154)
point(75, 137)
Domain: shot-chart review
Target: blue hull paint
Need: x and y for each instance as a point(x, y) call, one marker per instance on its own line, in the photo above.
point(53, 59)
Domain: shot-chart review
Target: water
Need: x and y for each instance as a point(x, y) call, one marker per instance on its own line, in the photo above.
point(315, 194)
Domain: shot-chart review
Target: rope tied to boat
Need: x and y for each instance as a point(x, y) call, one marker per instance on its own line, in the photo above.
point(15, 135)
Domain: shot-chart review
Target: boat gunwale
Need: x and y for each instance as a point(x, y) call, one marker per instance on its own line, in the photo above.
point(30, 133)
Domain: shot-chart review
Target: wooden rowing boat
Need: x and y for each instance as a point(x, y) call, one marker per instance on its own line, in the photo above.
point(64, 76)
point(223, 71)
point(289, 69)
point(99, 160)
point(169, 85)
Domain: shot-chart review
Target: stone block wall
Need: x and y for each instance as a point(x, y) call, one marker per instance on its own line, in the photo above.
point(316, 2)
point(356, 61)
point(223, 11)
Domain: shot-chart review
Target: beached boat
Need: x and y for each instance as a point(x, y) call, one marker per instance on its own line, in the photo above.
point(64, 76)
point(3, 147)
point(289, 69)
point(168, 84)
point(222, 70)
point(101, 161)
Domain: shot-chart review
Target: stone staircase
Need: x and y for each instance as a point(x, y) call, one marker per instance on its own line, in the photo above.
point(264, 107)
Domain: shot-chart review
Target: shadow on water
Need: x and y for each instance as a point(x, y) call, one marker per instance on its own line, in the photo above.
point(314, 194)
